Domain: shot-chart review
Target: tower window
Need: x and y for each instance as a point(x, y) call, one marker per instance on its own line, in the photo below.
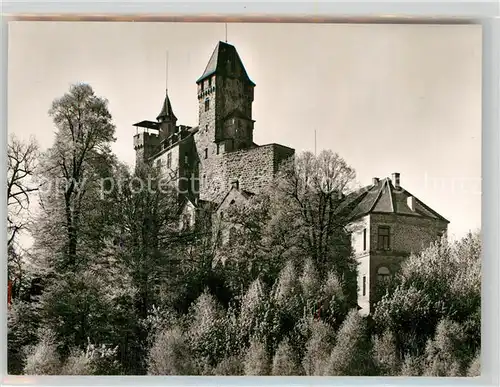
point(364, 239)
point(383, 274)
point(206, 153)
point(364, 285)
point(218, 148)
point(169, 160)
point(209, 82)
point(384, 239)
point(186, 158)
point(207, 105)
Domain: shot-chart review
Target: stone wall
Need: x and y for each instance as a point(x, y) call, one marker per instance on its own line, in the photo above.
point(255, 168)
point(408, 233)
point(145, 145)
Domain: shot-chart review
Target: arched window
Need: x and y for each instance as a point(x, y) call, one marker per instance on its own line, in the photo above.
point(383, 274)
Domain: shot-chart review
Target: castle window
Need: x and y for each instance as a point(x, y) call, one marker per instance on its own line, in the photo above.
point(218, 146)
point(210, 82)
point(169, 160)
point(383, 274)
point(384, 239)
point(186, 158)
point(364, 239)
point(206, 153)
point(158, 163)
point(364, 285)
point(207, 105)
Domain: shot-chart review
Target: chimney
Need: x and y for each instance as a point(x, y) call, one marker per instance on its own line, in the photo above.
point(396, 180)
point(235, 184)
point(375, 181)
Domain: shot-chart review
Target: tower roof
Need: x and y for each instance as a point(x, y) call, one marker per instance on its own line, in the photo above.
point(225, 61)
point(166, 110)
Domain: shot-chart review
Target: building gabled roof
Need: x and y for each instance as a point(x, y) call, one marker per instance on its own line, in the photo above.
point(384, 197)
point(166, 110)
point(225, 61)
point(245, 194)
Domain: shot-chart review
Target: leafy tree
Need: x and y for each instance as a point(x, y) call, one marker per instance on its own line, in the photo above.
point(352, 354)
point(87, 305)
point(441, 282)
point(71, 225)
point(256, 360)
point(386, 355)
point(412, 366)
point(42, 358)
point(23, 322)
point(475, 366)
point(318, 348)
point(207, 332)
point(444, 354)
point(170, 354)
point(285, 361)
point(232, 365)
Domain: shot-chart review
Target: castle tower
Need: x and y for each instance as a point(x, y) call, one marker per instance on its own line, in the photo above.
point(225, 96)
point(167, 119)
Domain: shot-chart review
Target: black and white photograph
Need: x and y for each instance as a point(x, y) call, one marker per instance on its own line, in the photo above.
point(259, 199)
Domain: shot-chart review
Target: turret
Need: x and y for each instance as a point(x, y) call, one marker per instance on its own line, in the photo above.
point(146, 140)
point(167, 119)
point(225, 95)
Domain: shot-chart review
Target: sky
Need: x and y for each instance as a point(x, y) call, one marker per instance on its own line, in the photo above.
point(387, 98)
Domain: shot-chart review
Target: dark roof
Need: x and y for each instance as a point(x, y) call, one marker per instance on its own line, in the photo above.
point(166, 110)
point(383, 197)
point(225, 61)
point(148, 125)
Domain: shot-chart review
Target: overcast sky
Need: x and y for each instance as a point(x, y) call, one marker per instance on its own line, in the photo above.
point(387, 98)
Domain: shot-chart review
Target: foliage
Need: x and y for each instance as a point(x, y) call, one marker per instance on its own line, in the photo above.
point(123, 289)
point(256, 360)
point(170, 354)
point(352, 354)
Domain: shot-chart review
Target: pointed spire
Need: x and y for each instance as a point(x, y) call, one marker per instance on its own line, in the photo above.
point(166, 112)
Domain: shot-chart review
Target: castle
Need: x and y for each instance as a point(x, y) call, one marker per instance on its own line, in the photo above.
point(218, 163)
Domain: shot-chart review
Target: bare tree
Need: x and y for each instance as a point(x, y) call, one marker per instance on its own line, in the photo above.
point(22, 161)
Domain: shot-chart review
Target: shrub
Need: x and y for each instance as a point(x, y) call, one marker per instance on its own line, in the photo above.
point(170, 354)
